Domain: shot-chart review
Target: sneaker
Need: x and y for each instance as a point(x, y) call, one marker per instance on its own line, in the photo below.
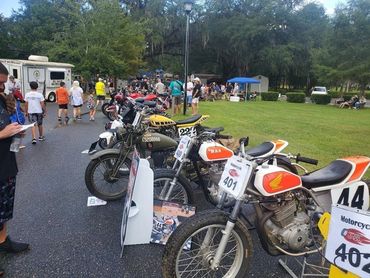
point(34, 141)
point(10, 246)
point(93, 119)
point(59, 119)
point(22, 146)
point(79, 118)
point(42, 138)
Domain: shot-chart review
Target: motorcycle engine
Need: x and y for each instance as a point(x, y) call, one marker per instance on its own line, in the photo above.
point(289, 227)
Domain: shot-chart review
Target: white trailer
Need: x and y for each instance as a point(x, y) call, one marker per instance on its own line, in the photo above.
point(38, 68)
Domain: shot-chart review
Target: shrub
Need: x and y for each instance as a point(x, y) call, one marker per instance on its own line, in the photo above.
point(321, 99)
point(347, 97)
point(334, 94)
point(367, 95)
point(270, 96)
point(282, 91)
point(296, 97)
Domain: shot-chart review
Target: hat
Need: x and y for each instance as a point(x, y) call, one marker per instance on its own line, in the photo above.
point(100, 79)
point(76, 83)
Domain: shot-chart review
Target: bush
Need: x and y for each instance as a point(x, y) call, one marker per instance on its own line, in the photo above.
point(296, 97)
point(347, 97)
point(367, 95)
point(321, 99)
point(270, 96)
point(334, 94)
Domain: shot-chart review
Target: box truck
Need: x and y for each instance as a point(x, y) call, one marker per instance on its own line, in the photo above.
point(38, 68)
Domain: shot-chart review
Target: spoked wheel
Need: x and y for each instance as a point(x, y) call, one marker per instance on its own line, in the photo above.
point(181, 192)
point(100, 180)
point(192, 247)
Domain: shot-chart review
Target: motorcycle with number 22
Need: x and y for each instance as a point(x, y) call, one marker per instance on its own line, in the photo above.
point(287, 206)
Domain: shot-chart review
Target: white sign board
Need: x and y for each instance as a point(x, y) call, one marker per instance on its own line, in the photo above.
point(235, 176)
point(348, 245)
point(182, 148)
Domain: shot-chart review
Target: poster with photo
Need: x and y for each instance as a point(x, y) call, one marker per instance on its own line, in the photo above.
point(167, 217)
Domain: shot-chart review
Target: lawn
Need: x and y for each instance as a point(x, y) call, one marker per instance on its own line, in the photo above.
point(321, 132)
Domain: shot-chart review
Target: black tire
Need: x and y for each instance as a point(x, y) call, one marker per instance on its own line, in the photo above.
point(187, 231)
point(163, 175)
point(111, 115)
point(104, 107)
point(117, 185)
point(51, 97)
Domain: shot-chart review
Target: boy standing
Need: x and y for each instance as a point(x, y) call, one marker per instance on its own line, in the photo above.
point(35, 110)
point(62, 100)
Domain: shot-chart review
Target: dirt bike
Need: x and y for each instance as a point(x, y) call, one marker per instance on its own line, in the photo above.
point(288, 207)
point(203, 162)
point(106, 176)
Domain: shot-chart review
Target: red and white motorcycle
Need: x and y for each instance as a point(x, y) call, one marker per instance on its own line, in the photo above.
point(287, 206)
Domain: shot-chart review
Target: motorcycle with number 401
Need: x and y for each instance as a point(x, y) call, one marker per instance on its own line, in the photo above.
point(287, 208)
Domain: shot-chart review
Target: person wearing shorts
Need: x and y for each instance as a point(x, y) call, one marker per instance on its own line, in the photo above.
point(100, 91)
point(76, 93)
point(176, 88)
point(62, 100)
point(8, 167)
point(196, 94)
point(35, 110)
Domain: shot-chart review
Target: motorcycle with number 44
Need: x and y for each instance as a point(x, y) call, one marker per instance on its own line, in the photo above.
point(287, 208)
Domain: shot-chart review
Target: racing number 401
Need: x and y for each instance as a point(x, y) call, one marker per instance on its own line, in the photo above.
point(357, 200)
point(229, 182)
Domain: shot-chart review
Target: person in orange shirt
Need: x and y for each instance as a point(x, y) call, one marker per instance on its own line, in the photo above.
point(62, 100)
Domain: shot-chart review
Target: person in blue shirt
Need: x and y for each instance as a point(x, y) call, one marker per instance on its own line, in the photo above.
point(176, 89)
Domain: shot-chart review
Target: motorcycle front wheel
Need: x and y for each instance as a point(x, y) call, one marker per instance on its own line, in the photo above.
point(181, 193)
point(101, 182)
point(104, 108)
point(190, 250)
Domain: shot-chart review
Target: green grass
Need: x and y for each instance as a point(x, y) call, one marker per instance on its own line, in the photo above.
point(322, 132)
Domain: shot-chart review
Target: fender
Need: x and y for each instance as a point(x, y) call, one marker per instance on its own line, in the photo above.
point(104, 152)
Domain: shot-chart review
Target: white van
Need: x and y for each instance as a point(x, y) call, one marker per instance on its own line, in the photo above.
point(319, 91)
point(38, 68)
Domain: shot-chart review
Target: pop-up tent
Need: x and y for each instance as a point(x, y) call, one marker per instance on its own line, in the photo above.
point(244, 80)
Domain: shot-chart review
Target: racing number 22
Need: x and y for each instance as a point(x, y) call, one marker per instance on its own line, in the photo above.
point(229, 182)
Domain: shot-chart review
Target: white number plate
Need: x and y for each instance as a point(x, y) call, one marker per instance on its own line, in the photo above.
point(136, 120)
point(348, 244)
point(189, 131)
point(235, 176)
point(182, 148)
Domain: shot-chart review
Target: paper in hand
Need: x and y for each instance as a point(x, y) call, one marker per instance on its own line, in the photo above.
point(24, 127)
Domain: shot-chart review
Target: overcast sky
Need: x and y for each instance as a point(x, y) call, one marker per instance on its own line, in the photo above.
point(6, 6)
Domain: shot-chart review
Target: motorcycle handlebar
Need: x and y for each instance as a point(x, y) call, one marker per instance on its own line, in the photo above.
point(306, 160)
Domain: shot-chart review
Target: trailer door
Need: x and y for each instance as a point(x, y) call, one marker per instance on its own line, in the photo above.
point(37, 74)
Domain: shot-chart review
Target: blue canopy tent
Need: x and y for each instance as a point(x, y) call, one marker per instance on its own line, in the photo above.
point(245, 80)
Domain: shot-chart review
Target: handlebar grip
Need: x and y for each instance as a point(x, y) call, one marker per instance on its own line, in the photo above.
point(306, 160)
point(244, 141)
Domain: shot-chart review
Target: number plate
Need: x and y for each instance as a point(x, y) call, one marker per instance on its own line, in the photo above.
point(189, 131)
point(348, 244)
point(235, 176)
point(136, 120)
point(182, 148)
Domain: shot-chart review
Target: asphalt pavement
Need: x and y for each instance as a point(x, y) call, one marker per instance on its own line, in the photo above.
point(67, 238)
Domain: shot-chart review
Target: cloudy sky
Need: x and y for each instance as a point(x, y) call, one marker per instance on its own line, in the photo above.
point(6, 6)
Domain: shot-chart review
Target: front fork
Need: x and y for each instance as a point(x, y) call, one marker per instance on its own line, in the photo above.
point(226, 235)
point(169, 185)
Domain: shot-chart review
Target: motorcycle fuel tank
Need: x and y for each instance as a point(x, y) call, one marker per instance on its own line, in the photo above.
point(159, 120)
point(156, 142)
point(213, 151)
point(271, 180)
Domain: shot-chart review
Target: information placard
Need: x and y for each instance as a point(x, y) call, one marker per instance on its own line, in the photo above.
point(348, 245)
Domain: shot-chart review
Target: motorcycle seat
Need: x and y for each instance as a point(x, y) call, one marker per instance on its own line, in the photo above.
point(215, 130)
point(151, 104)
point(189, 120)
point(261, 149)
point(333, 173)
point(140, 100)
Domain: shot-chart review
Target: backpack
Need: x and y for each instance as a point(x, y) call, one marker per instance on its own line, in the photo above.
point(18, 115)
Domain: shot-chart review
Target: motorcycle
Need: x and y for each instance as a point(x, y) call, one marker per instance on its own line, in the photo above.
point(106, 176)
point(287, 206)
point(203, 162)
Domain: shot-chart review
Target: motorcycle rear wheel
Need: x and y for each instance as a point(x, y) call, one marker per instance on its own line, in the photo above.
point(182, 192)
point(104, 108)
point(187, 255)
point(100, 182)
